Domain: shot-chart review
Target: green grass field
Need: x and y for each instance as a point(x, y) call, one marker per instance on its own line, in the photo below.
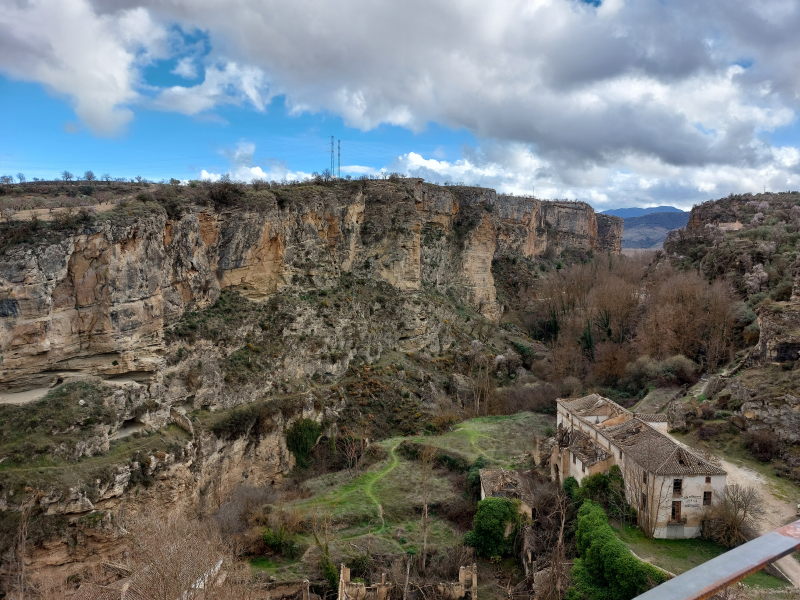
point(677, 556)
point(379, 509)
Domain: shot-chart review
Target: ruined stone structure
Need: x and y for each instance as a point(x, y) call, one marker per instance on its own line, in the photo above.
point(358, 590)
point(669, 485)
point(501, 483)
point(465, 588)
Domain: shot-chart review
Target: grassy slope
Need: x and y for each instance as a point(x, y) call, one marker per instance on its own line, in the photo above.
point(379, 508)
point(678, 556)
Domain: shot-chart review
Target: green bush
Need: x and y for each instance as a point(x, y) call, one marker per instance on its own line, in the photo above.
point(281, 542)
point(301, 438)
point(253, 421)
point(606, 569)
point(489, 526)
point(645, 372)
point(474, 475)
point(572, 488)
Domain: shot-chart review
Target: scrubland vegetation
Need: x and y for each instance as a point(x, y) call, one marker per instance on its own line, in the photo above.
point(622, 325)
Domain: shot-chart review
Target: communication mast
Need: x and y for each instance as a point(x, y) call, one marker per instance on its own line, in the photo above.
point(339, 158)
point(332, 172)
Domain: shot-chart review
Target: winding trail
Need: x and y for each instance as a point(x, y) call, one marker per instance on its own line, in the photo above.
point(369, 485)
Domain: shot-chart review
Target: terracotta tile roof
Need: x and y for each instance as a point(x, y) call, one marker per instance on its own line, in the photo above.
point(656, 452)
point(648, 447)
point(594, 405)
point(651, 417)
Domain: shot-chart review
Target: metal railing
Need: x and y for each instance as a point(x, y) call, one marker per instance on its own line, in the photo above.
point(705, 580)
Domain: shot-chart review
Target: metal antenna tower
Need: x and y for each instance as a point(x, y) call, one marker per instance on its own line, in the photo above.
point(332, 171)
point(339, 158)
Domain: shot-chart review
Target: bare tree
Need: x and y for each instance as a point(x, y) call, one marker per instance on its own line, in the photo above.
point(89, 176)
point(174, 558)
point(426, 461)
point(554, 581)
point(21, 177)
point(353, 447)
point(67, 176)
point(733, 520)
point(647, 493)
point(107, 177)
point(6, 179)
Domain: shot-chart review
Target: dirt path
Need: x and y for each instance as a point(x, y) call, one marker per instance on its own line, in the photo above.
point(777, 512)
point(25, 397)
point(369, 485)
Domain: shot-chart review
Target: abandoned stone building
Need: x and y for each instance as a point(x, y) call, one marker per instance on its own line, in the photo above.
point(670, 486)
point(501, 483)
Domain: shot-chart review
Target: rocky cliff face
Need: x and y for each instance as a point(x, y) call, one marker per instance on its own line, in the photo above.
point(260, 302)
point(98, 300)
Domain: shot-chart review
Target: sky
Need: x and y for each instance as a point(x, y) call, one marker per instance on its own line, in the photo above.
point(614, 102)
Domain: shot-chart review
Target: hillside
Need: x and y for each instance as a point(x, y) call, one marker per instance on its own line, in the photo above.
point(650, 230)
point(750, 408)
point(159, 341)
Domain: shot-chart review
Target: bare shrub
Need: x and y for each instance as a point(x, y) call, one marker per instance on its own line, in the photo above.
point(762, 444)
point(538, 397)
point(733, 520)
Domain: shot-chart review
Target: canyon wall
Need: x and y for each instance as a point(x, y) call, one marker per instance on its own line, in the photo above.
point(98, 300)
point(159, 320)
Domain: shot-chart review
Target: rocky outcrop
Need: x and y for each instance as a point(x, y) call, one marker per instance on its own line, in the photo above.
point(98, 300)
point(532, 227)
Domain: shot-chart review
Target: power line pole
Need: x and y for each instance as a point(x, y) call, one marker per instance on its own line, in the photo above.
point(339, 159)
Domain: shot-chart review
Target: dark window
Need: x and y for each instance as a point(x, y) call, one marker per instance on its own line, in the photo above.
point(708, 479)
point(644, 501)
point(676, 510)
point(573, 459)
point(583, 468)
point(677, 486)
point(644, 476)
point(706, 498)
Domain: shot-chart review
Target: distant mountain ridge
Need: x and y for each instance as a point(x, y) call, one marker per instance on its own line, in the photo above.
point(636, 211)
point(647, 228)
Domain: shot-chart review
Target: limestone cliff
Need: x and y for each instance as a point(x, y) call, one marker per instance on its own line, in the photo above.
point(162, 326)
point(97, 300)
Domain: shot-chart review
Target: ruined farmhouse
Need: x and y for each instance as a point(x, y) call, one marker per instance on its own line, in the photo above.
point(670, 486)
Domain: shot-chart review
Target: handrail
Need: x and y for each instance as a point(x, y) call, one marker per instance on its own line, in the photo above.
point(708, 578)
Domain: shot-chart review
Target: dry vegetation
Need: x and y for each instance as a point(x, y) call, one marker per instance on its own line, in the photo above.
point(623, 325)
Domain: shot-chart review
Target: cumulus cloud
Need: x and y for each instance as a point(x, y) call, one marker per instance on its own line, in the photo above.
point(92, 59)
point(579, 95)
point(515, 169)
point(186, 68)
point(579, 83)
point(229, 83)
point(242, 159)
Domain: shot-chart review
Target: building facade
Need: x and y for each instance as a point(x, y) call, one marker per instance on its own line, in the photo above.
point(670, 486)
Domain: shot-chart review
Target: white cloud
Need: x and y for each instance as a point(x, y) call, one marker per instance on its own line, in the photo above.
point(92, 59)
point(242, 168)
point(629, 98)
point(229, 83)
point(186, 68)
point(515, 169)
